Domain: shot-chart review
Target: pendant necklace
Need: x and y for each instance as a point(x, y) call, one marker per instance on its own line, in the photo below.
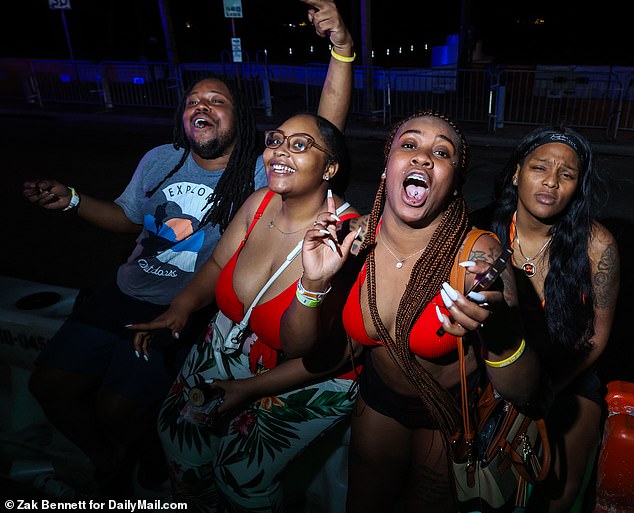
point(529, 266)
point(399, 261)
point(273, 225)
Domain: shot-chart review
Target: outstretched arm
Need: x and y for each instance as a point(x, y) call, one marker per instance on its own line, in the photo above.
point(53, 195)
point(336, 94)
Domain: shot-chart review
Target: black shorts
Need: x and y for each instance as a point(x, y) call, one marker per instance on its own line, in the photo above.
point(407, 410)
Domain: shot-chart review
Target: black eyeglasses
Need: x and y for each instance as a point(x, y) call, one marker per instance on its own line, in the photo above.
point(297, 143)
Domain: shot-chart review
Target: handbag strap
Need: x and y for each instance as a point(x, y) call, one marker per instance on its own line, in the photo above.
point(289, 258)
point(456, 279)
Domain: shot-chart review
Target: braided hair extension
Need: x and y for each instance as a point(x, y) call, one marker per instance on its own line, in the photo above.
point(237, 180)
point(429, 272)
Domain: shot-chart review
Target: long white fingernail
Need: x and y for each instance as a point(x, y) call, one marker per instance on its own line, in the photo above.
point(451, 292)
point(475, 296)
point(329, 193)
point(177, 335)
point(445, 299)
point(128, 325)
point(137, 354)
point(335, 217)
point(332, 245)
point(325, 232)
point(441, 317)
point(467, 263)
point(146, 358)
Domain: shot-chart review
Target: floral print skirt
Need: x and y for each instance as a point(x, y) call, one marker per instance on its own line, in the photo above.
point(235, 464)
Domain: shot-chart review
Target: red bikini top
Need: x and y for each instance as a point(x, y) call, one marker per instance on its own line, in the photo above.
point(265, 317)
point(423, 340)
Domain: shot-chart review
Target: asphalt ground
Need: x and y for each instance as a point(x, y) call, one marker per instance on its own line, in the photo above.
point(97, 152)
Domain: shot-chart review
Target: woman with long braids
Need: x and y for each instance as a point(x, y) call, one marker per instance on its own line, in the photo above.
point(88, 379)
point(407, 409)
point(567, 268)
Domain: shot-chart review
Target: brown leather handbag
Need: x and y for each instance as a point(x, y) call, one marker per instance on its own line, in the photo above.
point(501, 449)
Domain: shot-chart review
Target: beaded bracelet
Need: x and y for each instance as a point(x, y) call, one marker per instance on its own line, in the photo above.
point(74, 199)
point(511, 359)
point(343, 58)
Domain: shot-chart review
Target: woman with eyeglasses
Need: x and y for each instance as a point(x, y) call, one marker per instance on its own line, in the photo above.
point(228, 440)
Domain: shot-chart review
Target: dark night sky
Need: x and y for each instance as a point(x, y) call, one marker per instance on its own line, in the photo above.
point(122, 30)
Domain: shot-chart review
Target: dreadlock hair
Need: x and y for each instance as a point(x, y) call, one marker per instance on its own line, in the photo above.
point(429, 272)
point(568, 293)
point(237, 180)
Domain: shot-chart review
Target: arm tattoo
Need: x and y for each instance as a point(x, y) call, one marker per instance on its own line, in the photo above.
point(605, 277)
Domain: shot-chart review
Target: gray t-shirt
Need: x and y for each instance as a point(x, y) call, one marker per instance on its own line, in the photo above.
point(170, 247)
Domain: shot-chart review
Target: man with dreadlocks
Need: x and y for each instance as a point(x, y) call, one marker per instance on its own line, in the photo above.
point(90, 382)
point(406, 412)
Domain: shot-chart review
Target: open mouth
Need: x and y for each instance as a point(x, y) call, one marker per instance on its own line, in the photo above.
point(282, 169)
point(416, 187)
point(201, 123)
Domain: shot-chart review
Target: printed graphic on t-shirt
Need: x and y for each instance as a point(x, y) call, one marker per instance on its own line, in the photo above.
point(171, 247)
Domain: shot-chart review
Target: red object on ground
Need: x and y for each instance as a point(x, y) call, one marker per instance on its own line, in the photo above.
point(615, 470)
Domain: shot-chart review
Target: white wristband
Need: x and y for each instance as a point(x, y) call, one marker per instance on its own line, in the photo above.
point(74, 199)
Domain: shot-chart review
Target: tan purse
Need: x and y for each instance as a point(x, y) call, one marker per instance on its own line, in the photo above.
point(500, 449)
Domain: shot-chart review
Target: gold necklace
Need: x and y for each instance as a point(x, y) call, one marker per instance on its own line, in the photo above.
point(529, 266)
point(399, 261)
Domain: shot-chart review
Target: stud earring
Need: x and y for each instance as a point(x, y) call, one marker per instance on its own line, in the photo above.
point(326, 177)
point(515, 181)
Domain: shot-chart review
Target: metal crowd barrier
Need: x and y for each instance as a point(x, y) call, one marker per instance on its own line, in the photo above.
point(583, 97)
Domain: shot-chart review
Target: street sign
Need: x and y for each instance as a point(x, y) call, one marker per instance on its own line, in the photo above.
point(59, 4)
point(233, 8)
point(236, 49)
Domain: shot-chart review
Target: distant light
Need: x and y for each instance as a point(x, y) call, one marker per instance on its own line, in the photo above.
point(188, 24)
point(539, 21)
point(65, 78)
point(400, 50)
point(387, 52)
point(372, 54)
point(290, 51)
point(138, 80)
point(426, 47)
point(411, 48)
point(312, 49)
point(303, 24)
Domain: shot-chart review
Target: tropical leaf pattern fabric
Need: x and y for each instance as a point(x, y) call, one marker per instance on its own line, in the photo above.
point(234, 464)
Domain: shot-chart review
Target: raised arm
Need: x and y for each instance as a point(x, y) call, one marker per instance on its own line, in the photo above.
point(336, 94)
point(305, 323)
point(53, 195)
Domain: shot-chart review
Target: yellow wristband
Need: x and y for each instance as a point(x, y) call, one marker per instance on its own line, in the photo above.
point(511, 359)
point(307, 301)
point(343, 58)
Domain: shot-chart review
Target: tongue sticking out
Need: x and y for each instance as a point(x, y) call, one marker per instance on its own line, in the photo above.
point(415, 191)
point(416, 188)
